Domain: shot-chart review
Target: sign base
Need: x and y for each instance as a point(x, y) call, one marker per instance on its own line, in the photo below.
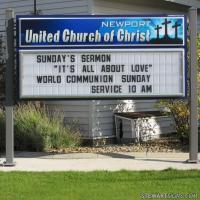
point(192, 161)
point(7, 164)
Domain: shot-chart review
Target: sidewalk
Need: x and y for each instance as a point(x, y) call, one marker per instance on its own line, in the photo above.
point(33, 161)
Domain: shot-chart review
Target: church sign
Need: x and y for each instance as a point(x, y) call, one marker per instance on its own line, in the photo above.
point(84, 57)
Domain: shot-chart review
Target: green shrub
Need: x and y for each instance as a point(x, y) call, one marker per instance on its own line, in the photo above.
point(179, 110)
point(35, 130)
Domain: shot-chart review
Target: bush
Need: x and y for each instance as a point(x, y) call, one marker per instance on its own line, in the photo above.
point(179, 110)
point(35, 130)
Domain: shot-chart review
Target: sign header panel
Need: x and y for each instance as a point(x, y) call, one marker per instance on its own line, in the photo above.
point(101, 31)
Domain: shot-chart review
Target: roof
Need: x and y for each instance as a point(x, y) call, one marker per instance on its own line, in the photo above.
point(189, 3)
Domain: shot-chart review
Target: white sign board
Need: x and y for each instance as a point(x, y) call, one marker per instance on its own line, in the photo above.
point(102, 73)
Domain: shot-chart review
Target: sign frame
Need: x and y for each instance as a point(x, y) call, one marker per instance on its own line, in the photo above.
point(107, 48)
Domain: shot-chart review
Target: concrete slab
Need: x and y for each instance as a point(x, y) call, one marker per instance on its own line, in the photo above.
point(26, 161)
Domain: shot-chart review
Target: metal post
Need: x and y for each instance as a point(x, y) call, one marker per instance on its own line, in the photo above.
point(9, 88)
point(35, 8)
point(193, 148)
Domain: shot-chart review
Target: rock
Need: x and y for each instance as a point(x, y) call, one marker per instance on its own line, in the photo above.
point(157, 145)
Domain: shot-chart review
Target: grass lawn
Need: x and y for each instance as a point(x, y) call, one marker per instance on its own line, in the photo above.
point(123, 185)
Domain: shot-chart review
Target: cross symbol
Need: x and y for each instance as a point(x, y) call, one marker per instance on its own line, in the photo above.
point(158, 30)
point(166, 24)
point(175, 26)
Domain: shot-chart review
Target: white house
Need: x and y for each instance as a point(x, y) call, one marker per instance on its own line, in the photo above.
point(96, 117)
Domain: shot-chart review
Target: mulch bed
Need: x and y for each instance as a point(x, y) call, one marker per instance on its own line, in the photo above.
point(157, 145)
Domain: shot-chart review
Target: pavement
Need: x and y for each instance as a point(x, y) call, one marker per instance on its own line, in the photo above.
point(34, 161)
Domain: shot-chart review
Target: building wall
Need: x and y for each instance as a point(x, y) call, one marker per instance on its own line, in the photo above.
point(135, 7)
point(75, 113)
point(95, 117)
point(73, 110)
point(45, 7)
